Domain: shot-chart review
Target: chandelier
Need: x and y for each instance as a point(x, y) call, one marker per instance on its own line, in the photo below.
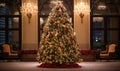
point(81, 8)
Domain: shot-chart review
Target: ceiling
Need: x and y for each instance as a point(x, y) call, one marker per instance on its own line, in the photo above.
point(13, 5)
point(112, 7)
point(45, 6)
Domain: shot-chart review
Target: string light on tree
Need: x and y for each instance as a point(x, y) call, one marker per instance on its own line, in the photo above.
point(58, 43)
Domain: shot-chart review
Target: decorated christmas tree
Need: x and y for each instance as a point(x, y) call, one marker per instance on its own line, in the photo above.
point(58, 42)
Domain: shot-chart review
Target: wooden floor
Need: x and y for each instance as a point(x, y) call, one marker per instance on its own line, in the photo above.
point(86, 66)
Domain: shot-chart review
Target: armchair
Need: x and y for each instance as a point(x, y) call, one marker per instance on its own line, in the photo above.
point(109, 53)
point(8, 52)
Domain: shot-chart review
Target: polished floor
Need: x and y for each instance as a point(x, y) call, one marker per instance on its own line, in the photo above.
point(86, 66)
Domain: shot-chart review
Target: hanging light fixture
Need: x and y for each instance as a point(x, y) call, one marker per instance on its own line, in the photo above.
point(2, 4)
point(81, 8)
point(29, 8)
point(102, 6)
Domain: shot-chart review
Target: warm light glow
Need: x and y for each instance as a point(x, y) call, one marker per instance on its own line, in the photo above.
point(16, 19)
point(82, 8)
point(41, 21)
point(74, 33)
point(101, 6)
point(2, 4)
point(29, 8)
point(98, 19)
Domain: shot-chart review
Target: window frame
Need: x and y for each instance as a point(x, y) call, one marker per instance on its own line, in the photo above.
point(105, 29)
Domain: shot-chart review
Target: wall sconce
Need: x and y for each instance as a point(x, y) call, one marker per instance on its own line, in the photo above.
point(82, 8)
point(29, 8)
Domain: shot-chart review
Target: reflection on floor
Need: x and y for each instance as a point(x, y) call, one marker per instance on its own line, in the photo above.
point(86, 66)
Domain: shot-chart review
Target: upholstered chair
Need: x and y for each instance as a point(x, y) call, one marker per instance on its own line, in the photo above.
point(8, 52)
point(110, 52)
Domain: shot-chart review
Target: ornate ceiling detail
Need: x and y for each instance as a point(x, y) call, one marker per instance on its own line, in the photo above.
point(45, 6)
point(109, 7)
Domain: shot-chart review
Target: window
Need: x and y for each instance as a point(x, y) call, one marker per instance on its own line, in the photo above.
point(105, 30)
point(10, 22)
point(105, 23)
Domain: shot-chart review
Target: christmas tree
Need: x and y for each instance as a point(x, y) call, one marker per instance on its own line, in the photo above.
point(58, 42)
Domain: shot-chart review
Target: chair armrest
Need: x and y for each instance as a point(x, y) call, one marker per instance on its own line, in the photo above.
point(103, 52)
point(14, 51)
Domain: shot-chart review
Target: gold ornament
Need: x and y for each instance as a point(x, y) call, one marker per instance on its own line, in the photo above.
point(45, 30)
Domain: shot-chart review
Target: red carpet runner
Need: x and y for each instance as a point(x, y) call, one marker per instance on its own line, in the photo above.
point(56, 65)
